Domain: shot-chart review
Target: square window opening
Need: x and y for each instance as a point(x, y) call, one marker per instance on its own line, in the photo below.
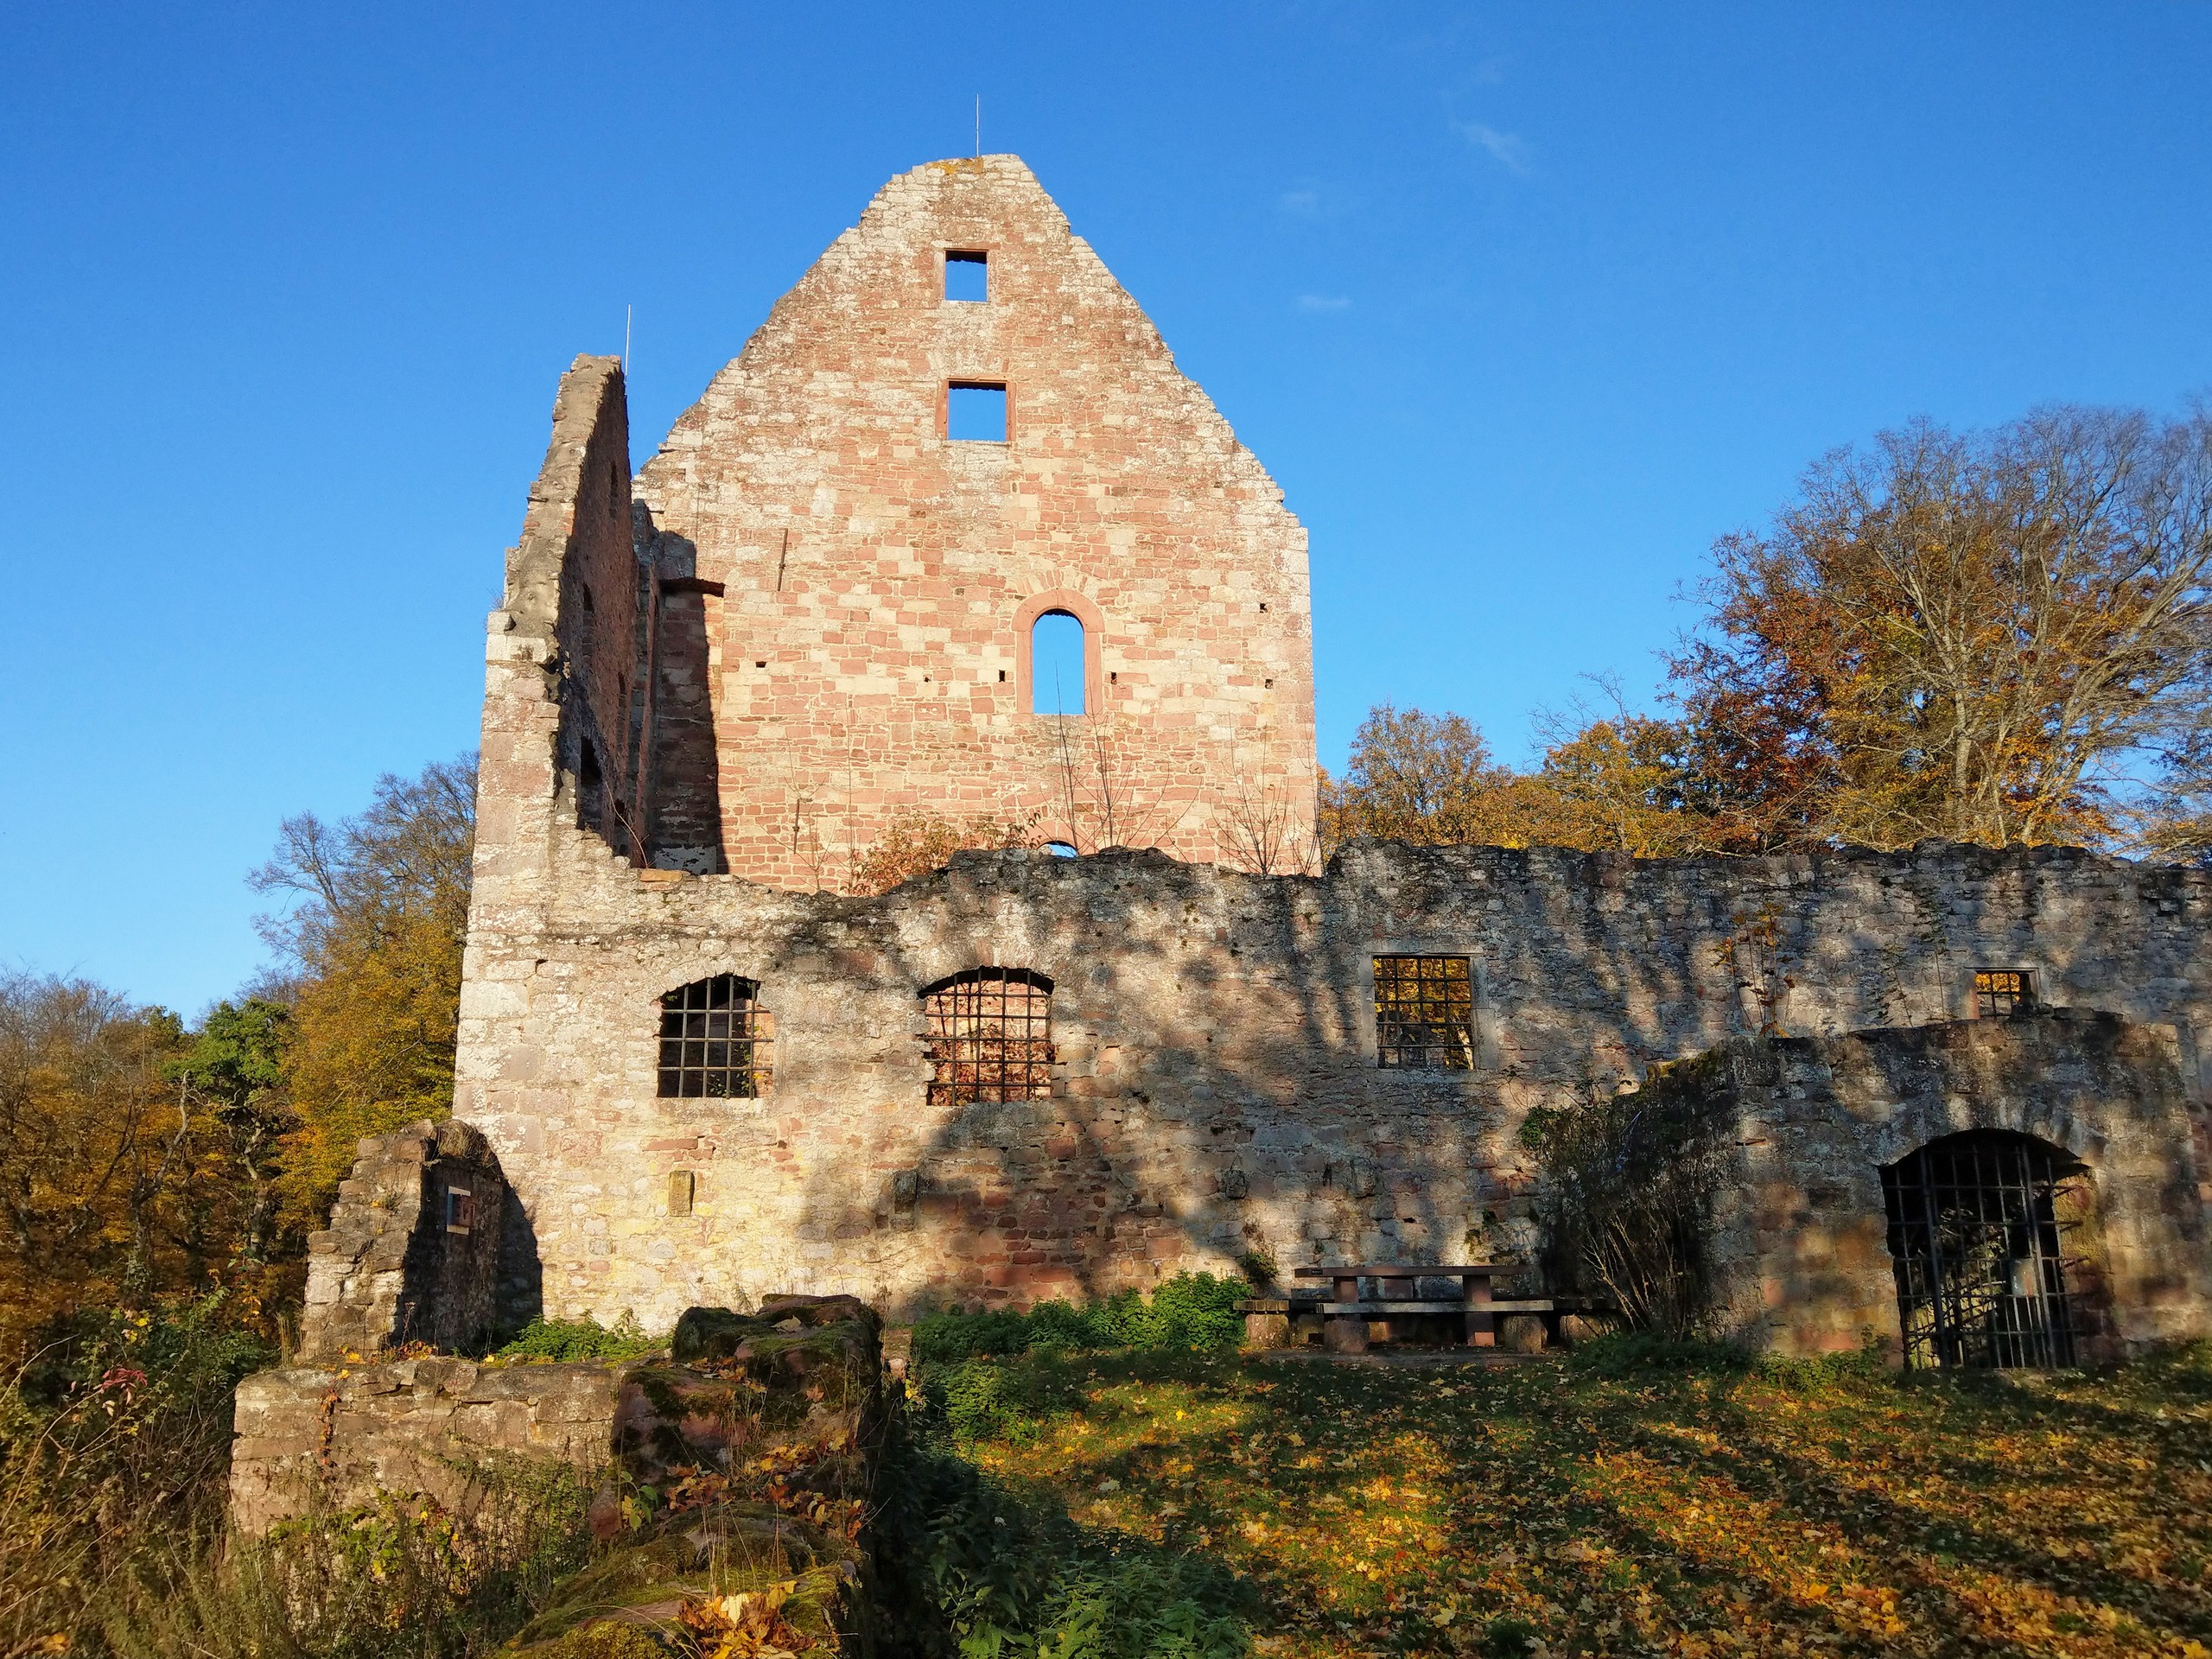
point(975, 412)
point(967, 277)
point(713, 1043)
point(2000, 992)
point(1424, 1014)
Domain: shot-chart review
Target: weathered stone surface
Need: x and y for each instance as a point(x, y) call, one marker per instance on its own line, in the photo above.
point(1803, 1234)
point(412, 1251)
point(868, 583)
point(815, 552)
point(1203, 1020)
point(340, 1435)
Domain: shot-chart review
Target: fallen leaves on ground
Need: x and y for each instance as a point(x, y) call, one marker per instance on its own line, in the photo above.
point(1532, 1510)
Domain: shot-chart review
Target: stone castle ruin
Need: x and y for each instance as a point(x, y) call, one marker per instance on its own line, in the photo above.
point(694, 1072)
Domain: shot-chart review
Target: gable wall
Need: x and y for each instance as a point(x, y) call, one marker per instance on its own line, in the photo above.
point(868, 640)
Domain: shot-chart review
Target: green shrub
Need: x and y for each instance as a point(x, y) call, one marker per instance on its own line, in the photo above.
point(987, 1570)
point(1636, 1353)
point(546, 1341)
point(1191, 1310)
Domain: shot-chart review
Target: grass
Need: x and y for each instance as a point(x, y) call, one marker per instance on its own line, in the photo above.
point(1191, 1310)
point(1634, 1502)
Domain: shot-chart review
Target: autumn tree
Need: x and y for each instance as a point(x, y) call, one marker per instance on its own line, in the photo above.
point(1420, 778)
point(919, 840)
point(111, 1183)
point(1984, 636)
point(1618, 781)
point(371, 937)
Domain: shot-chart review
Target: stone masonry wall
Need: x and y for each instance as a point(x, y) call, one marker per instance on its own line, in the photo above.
point(308, 1435)
point(1216, 1078)
point(867, 582)
point(397, 1264)
point(839, 589)
point(573, 581)
point(1804, 1238)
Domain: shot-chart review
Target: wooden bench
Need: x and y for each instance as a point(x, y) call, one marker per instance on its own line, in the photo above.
point(1343, 1314)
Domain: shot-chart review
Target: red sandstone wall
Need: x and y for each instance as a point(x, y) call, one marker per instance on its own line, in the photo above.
point(870, 646)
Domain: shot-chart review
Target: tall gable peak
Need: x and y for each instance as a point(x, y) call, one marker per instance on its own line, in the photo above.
point(957, 423)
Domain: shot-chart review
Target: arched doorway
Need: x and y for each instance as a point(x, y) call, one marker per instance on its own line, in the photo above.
point(1976, 1236)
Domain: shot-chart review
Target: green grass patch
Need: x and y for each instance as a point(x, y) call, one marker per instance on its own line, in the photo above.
point(1191, 1310)
point(980, 1565)
point(551, 1341)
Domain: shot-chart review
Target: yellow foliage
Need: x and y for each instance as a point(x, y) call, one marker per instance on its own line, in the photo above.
point(379, 917)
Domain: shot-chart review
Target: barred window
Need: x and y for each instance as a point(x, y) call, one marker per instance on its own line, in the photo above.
point(990, 1036)
point(1424, 1013)
point(1997, 992)
point(713, 1040)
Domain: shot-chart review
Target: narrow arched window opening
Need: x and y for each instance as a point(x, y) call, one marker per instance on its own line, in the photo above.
point(713, 1040)
point(1976, 1239)
point(990, 1036)
point(1058, 664)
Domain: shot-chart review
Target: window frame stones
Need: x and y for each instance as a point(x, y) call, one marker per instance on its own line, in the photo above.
point(966, 260)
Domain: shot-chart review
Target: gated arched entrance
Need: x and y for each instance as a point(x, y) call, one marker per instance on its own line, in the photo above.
point(1977, 1225)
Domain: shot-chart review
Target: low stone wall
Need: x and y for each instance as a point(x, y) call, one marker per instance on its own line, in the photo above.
point(311, 1435)
point(412, 1251)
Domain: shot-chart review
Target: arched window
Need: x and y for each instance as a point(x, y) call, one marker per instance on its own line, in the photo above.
point(1055, 664)
point(990, 1036)
point(1975, 1224)
point(713, 1040)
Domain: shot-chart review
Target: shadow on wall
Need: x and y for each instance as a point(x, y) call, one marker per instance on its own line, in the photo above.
point(1188, 1121)
point(427, 1244)
point(685, 788)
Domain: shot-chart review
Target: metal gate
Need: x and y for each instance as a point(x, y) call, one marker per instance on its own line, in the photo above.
point(1974, 1234)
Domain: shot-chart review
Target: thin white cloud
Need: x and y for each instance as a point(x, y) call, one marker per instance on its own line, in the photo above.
point(1324, 302)
point(1305, 203)
point(1504, 148)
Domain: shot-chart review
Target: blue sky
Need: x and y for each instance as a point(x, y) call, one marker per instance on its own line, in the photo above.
point(1522, 305)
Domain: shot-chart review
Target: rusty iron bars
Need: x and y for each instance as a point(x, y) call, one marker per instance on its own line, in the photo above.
point(1999, 992)
point(1424, 1012)
point(710, 1040)
point(1975, 1240)
point(990, 1036)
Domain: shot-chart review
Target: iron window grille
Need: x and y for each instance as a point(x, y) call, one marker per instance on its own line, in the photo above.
point(1424, 1014)
point(1977, 1245)
point(990, 1036)
point(713, 1040)
point(1999, 992)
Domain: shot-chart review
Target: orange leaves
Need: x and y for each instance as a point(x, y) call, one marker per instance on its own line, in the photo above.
point(743, 1626)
